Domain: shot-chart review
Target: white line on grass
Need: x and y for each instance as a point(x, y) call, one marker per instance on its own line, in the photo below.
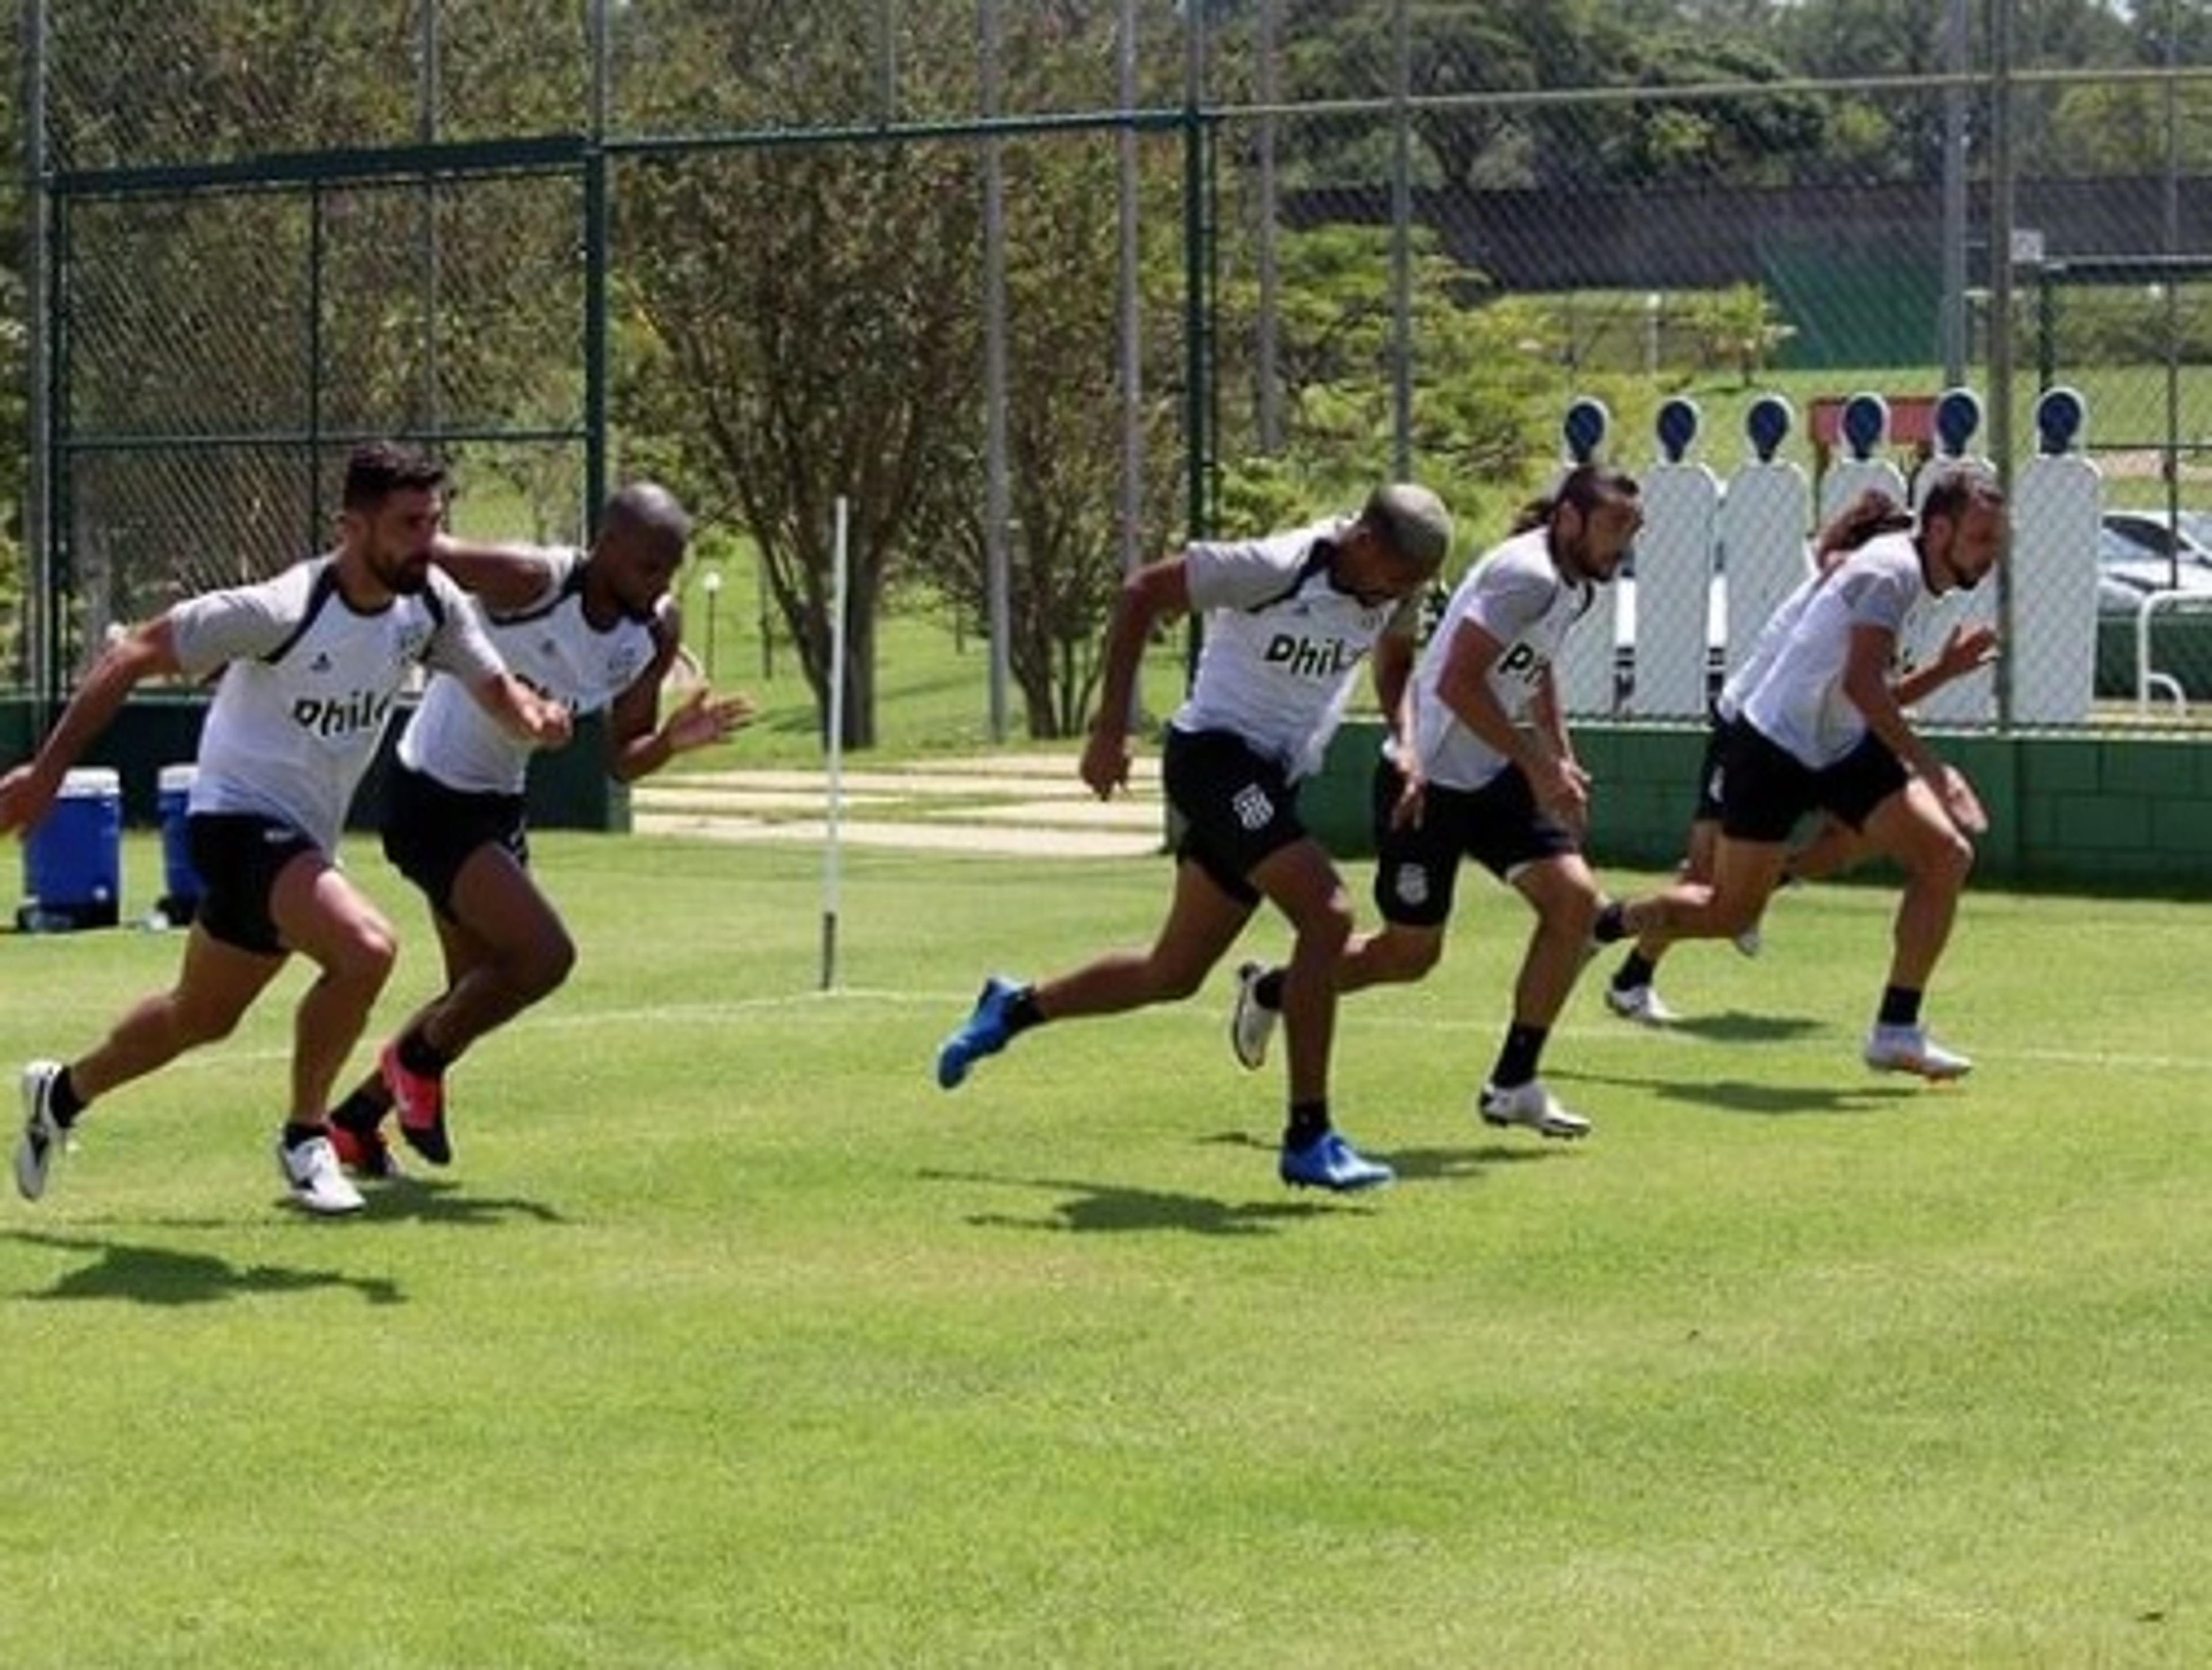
point(954, 1004)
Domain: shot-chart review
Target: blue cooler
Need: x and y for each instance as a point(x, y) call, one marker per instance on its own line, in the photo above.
point(73, 860)
point(181, 883)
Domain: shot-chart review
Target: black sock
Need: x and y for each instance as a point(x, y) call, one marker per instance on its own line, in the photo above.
point(295, 1133)
point(417, 1055)
point(1636, 970)
point(1308, 1124)
point(1611, 922)
point(361, 1112)
point(1516, 1062)
point(1901, 1006)
point(62, 1100)
point(1268, 990)
point(1022, 1012)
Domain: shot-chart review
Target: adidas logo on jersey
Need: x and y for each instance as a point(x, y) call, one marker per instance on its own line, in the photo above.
point(340, 716)
point(1308, 658)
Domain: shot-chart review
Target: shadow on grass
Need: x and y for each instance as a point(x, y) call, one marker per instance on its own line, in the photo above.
point(1094, 1208)
point(1769, 1101)
point(433, 1200)
point(166, 1275)
point(1429, 1165)
point(1737, 1026)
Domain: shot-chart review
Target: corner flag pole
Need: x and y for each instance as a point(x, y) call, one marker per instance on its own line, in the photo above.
point(836, 753)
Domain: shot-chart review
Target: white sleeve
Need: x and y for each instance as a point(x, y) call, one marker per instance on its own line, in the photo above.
point(1509, 598)
point(242, 623)
point(1245, 574)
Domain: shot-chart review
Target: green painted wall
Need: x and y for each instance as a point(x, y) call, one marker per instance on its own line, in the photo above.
point(2094, 812)
point(570, 788)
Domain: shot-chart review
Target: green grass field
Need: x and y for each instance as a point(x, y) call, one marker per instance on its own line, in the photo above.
point(730, 1340)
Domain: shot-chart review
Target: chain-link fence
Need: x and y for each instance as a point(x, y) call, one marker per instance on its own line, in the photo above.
point(1040, 289)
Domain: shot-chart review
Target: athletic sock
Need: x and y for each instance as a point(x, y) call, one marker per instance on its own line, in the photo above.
point(361, 1113)
point(1516, 1062)
point(62, 1100)
point(1022, 1011)
point(1635, 971)
point(417, 1055)
point(295, 1133)
point(1901, 1006)
point(1308, 1124)
point(1268, 990)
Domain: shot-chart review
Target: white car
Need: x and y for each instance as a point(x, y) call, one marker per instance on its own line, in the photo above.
point(2137, 553)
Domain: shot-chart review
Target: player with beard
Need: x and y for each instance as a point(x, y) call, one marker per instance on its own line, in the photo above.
point(1823, 730)
point(593, 631)
point(1478, 764)
point(311, 661)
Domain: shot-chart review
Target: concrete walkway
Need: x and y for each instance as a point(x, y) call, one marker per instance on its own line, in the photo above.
point(1018, 805)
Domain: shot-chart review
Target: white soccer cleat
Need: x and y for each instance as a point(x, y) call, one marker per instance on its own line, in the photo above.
point(1909, 1049)
point(1532, 1105)
point(1748, 942)
point(1251, 1022)
point(43, 1136)
point(312, 1173)
point(1640, 1004)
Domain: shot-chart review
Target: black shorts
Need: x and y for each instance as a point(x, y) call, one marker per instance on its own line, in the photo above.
point(1766, 788)
point(1711, 770)
point(239, 856)
point(430, 831)
point(1239, 807)
point(1499, 826)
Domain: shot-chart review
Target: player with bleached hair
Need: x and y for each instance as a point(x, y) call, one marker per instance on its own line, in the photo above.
point(1289, 620)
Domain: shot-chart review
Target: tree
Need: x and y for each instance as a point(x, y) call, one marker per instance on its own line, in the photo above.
point(802, 311)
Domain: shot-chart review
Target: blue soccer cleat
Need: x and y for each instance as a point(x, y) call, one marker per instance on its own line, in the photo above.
point(1329, 1162)
point(983, 1033)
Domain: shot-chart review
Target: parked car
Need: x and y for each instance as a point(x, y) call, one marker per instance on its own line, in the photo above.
point(2138, 552)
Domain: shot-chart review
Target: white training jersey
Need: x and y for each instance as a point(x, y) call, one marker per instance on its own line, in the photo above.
point(1799, 704)
point(307, 684)
point(1773, 633)
point(1517, 595)
point(1282, 643)
point(549, 646)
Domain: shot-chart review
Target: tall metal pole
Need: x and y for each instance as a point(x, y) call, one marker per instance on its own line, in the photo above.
point(2172, 460)
point(1267, 349)
point(2002, 218)
point(1132, 327)
point(427, 132)
point(1952, 326)
point(994, 371)
point(1402, 235)
point(597, 238)
point(38, 319)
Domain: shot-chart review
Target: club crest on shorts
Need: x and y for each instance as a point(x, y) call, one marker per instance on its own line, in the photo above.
point(1410, 885)
point(1253, 808)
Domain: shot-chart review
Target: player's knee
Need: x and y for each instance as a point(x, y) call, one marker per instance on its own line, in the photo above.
point(1325, 928)
point(545, 967)
point(366, 956)
point(197, 1021)
point(1405, 956)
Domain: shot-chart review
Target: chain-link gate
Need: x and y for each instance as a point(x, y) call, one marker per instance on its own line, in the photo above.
point(1043, 288)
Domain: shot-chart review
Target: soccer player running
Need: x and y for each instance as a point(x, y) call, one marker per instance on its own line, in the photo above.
point(1289, 619)
point(311, 661)
point(1835, 846)
point(1478, 764)
point(1824, 730)
point(592, 631)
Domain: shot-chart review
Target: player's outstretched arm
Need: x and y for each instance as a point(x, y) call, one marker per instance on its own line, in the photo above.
point(146, 651)
point(505, 576)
